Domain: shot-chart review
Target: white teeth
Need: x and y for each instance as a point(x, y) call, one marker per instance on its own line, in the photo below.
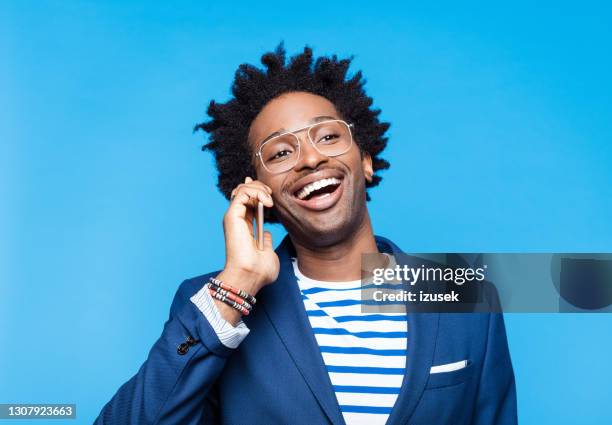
point(311, 187)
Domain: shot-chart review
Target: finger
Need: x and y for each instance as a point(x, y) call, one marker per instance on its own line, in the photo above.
point(254, 185)
point(250, 181)
point(257, 195)
point(268, 241)
point(249, 196)
point(262, 185)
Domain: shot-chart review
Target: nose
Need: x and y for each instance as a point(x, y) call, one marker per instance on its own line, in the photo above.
point(309, 156)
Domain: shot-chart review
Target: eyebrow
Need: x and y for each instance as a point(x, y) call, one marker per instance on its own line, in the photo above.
point(309, 122)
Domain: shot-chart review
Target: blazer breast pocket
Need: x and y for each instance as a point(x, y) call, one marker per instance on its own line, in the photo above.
point(450, 374)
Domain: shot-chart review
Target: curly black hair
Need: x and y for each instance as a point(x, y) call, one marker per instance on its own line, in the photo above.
point(253, 88)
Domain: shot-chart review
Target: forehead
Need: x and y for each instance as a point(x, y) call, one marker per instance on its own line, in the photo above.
point(287, 112)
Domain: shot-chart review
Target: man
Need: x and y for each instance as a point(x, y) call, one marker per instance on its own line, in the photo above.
point(303, 140)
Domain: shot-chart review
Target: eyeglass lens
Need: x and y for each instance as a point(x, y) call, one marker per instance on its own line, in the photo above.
point(281, 153)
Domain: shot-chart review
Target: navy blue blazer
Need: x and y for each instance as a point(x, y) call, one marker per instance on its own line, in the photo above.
point(277, 374)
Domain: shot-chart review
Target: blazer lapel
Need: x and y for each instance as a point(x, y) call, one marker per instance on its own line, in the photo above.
point(282, 302)
point(422, 337)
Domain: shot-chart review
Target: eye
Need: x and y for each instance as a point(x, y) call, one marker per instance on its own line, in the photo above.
point(328, 139)
point(278, 150)
point(279, 156)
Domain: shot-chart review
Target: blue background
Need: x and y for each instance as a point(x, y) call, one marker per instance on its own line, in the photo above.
point(500, 141)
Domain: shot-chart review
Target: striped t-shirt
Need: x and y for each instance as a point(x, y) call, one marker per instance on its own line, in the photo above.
point(365, 354)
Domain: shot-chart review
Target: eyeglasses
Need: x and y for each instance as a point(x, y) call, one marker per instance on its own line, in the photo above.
point(281, 153)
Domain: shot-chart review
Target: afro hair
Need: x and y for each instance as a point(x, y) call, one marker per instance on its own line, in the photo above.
point(253, 88)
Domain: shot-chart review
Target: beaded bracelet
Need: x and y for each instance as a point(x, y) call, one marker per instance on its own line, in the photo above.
point(229, 302)
point(231, 296)
point(250, 298)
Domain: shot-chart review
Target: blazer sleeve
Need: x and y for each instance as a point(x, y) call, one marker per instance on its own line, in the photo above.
point(496, 400)
point(173, 385)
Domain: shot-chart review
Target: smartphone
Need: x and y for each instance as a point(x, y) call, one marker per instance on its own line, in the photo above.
point(259, 222)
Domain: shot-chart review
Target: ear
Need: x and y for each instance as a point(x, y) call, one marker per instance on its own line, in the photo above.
point(366, 164)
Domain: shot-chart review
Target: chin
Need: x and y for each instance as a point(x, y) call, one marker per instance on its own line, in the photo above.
point(325, 230)
point(328, 234)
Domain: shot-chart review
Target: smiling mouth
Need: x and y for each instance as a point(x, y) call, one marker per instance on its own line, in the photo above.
point(321, 194)
point(318, 189)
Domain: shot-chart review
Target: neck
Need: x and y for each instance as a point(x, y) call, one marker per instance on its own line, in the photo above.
point(340, 261)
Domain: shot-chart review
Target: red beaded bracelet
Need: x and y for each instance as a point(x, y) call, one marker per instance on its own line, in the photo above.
point(229, 302)
point(250, 298)
point(231, 296)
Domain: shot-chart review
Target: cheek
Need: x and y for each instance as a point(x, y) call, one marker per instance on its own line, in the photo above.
point(355, 164)
point(265, 177)
point(274, 183)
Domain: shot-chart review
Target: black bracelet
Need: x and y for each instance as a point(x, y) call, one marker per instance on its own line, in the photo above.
point(243, 310)
point(231, 296)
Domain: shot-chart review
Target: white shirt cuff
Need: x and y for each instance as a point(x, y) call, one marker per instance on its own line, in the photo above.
point(229, 335)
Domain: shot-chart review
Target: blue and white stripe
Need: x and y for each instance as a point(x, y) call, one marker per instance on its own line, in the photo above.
point(365, 354)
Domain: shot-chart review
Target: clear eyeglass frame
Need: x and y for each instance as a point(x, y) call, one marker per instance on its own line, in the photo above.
point(350, 126)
